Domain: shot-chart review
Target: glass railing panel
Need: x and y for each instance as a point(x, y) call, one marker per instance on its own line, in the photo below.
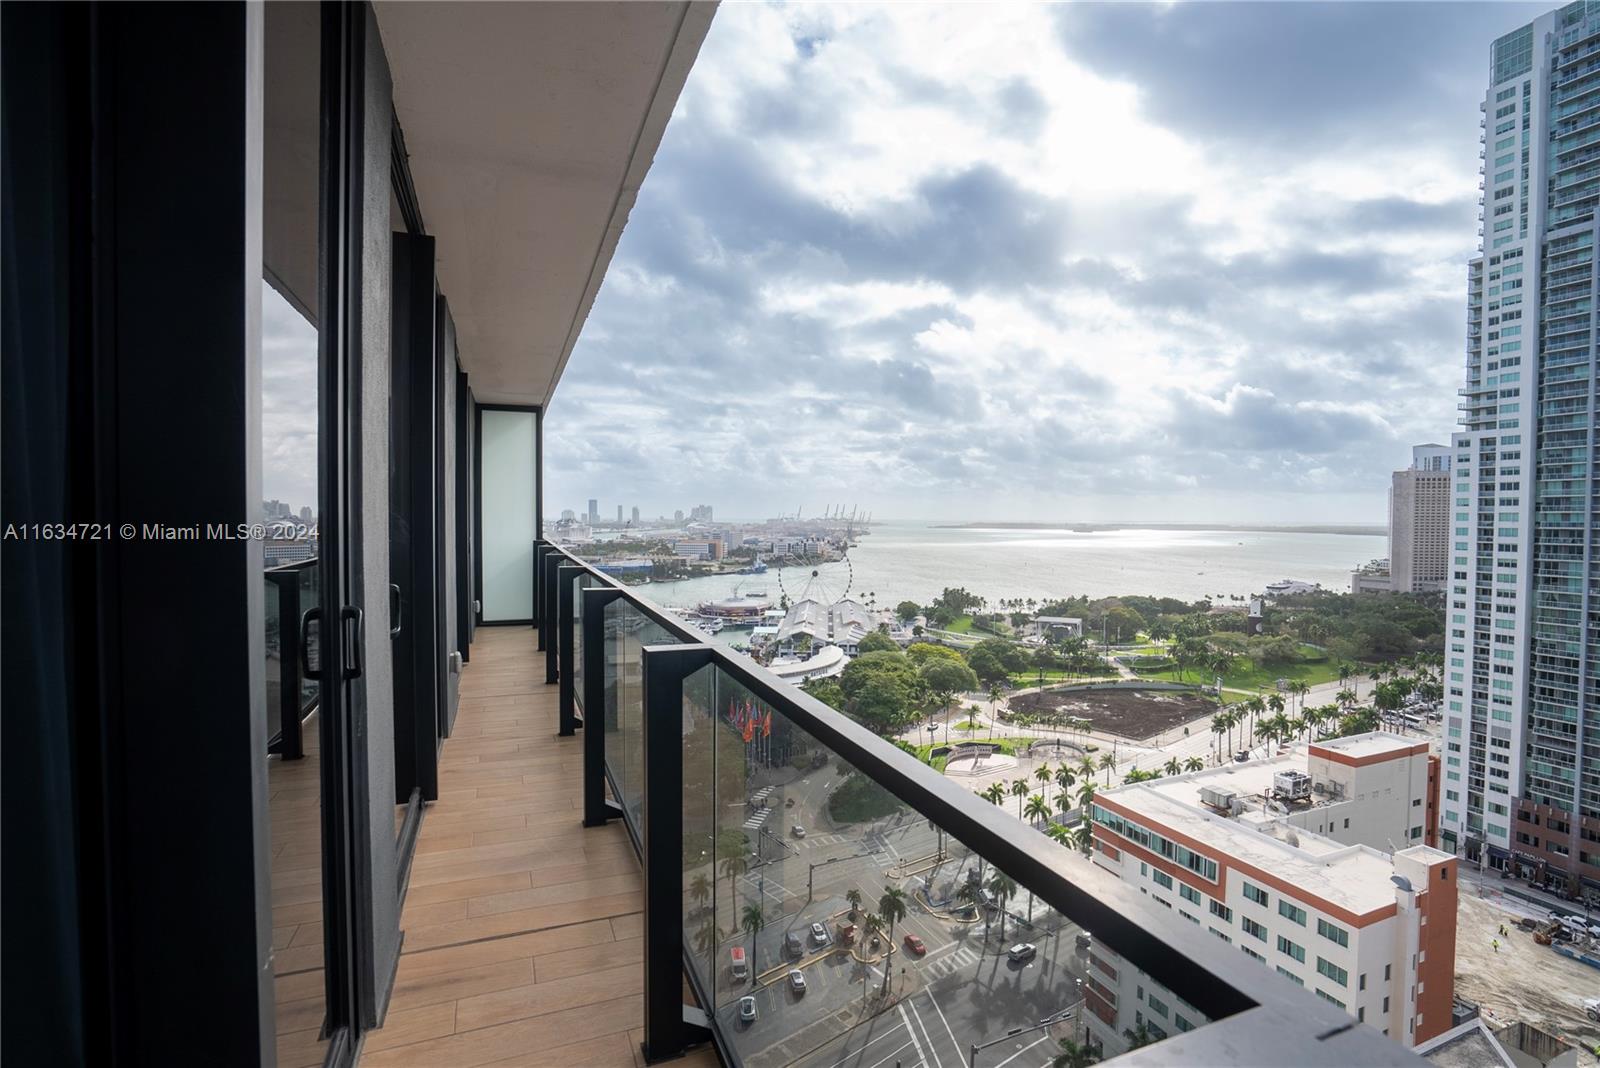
point(628, 631)
point(272, 609)
point(580, 582)
point(310, 588)
point(831, 923)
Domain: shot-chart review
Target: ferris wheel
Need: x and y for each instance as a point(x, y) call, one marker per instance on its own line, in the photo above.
point(811, 576)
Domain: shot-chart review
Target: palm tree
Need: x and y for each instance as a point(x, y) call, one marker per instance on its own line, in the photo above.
point(1086, 766)
point(1083, 835)
point(1073, 1055)
point(995, 794)
point(1042, 773)
point(1255, 706)
point(1275, 702)
point(751, 921)
point(1300, 689)
point(873, 924)
point(705, 938)
point(852, 898)
point(1219, 726)
point(1064, 780)
point(700, 888)
point(1173, 766)
point(1108, 763)
point(1194, 763)
point(1345, 698)
point(892, 907)
point(1038, 808)
point(996, 691)
point(1139, 1036)
point(1004, 888)
point(1086, 796)
point(733, 867)
point(967, 893)
point(1019, 790)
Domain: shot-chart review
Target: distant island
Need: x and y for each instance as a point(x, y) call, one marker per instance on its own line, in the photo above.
point(1259, 528)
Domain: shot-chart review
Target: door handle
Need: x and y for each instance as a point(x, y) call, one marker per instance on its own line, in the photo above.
point(351, 614)
point(311, 660)
point(394, 610)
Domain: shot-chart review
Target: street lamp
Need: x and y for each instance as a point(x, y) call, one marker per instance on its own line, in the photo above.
point(972, 1053)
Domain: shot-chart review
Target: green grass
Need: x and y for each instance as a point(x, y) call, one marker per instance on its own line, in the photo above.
point(1022, 679)
point(1246, 676)
point(960, 625)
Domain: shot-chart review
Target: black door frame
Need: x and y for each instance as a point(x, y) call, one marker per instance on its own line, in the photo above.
point(477, 508)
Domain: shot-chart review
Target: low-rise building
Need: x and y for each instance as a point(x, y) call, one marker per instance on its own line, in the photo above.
point(699, 549)
point(811, 624)
point(1056, 627)
point(1311, 862)
point(1372, 577)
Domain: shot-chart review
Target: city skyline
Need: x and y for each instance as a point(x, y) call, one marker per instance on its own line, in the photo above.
point(923, 278)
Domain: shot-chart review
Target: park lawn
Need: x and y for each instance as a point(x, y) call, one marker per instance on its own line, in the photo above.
point(1022, 679)
point(1246, 676)
point(960, 625)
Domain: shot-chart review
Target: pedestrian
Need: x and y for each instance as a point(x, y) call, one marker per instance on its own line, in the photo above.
point(1496, 943)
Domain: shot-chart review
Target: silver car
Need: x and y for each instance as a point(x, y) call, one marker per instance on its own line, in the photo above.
point(797, 980)
point(747, 1009)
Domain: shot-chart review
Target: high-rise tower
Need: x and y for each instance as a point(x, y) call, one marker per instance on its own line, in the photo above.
point(1522, 737)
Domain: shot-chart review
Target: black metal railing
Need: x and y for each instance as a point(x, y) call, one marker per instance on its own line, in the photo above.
point(291, 697)
point(771, 828)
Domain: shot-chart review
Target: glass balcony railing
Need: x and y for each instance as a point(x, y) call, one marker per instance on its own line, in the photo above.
point(290, 590)
point(815, 895)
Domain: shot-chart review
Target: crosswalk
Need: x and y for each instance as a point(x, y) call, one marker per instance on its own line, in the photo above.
point(757, 818)
point(957, 959)
point(816, 841)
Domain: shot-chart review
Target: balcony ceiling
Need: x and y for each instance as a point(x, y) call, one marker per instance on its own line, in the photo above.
point(530, 127)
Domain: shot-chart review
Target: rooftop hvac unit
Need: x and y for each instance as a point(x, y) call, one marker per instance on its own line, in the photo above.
point(1319, 788)
point(1221, 799)
point(1292, 785)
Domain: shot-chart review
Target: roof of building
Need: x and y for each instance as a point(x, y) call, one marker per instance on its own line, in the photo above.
point(1374, 743)
point(1468, 1045)
point(1353, 877)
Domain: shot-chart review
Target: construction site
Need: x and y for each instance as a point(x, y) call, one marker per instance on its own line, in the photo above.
point(1535, 972)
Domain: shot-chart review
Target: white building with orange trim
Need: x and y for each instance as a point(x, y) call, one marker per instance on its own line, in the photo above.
point(1311, 862)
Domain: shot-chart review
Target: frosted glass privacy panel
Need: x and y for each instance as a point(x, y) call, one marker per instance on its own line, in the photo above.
point(508, 515)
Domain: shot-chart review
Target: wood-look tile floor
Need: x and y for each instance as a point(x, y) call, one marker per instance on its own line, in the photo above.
point(521, 927)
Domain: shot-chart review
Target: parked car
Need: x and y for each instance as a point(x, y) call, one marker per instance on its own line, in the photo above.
point(1241, 756)
point(1591, 1008)
point(915, 945)
point(747, 1009)
point(1022, 951)
point(819, 934)
point(792, 944)
point(798, 831)
point(741, 970)
point(797, 981)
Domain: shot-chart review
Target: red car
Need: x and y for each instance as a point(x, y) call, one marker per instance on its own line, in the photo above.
point(914, 944)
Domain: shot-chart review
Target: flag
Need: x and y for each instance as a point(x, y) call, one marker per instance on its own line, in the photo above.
point(766, 730)
point(749, 729)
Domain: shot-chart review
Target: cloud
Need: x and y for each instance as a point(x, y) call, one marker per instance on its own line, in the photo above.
point(1106, 261)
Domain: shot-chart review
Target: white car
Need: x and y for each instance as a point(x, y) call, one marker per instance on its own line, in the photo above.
point(1591, 1008)
point(819, 934)
point(747, 1009)
point(797, 980)
point(1022, 951)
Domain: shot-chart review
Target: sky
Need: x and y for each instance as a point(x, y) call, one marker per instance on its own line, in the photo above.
point(1193, 262)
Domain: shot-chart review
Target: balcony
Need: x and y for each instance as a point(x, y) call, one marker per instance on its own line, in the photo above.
point(694, 773)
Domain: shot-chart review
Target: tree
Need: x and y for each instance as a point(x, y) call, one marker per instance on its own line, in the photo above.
point(946, 678)
point(751, 921)
point(906, 611)
point(1043, 775)
point(919, 653)
point(996, 691)
point(1194, 763)
point(1173, 766)
point(1073, 1055)
point(892, 907)
point(1064, 779)
point(1086, 797)
point(877, 643)
point(1139, 1036)
point(733, 867)
point(1038, 809)
point(1019, 790)
point(881, 690)
point(852, 898)
point(1107, 764)
point(987, 666)
point(995, 794)
point(1003, 887)
point(1083, 835)
point(700, 888)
